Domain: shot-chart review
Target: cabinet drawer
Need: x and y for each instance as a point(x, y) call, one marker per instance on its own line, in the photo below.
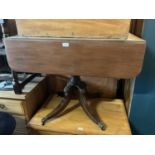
point(11, 106)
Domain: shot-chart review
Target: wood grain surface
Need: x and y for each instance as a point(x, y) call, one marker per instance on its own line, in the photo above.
point(100, 28)
point(27, 103)
point(23, 106)
point(35, 99)
point(85, 57)
point(74, 121)
point(12, 106)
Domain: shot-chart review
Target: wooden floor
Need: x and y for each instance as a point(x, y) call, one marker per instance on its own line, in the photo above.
point(74, 121)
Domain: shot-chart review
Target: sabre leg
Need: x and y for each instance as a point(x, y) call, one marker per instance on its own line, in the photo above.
point(64, 102)
point(90, 112)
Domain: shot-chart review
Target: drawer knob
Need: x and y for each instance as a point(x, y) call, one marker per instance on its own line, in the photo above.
point(2, 106)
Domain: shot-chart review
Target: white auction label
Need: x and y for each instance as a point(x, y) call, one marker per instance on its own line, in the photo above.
point(65, 44)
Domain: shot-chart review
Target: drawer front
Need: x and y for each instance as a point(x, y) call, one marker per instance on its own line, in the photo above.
point(12, 106)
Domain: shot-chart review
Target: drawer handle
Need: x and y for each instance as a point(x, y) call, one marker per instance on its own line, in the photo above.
point(2, 106)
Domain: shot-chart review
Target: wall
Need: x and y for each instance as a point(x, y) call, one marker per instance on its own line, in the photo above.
point(142, 115)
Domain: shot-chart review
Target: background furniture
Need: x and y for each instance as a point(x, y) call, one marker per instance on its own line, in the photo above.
point(76, 28)
point(23, 107)
point(7, 28)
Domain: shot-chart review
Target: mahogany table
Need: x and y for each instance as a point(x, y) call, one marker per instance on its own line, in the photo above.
point(121, 59)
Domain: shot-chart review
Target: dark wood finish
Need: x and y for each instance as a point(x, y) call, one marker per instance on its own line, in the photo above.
point(10, 27)
point(87, 57)
point(136, 27)
point(105, 86)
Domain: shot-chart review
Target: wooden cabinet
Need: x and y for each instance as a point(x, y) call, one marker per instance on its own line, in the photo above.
point(23, 106)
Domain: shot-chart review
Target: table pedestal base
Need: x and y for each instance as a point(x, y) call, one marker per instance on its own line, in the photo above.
point(75, 84)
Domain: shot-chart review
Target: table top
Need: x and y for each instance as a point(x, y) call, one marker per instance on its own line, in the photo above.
point(75, 56)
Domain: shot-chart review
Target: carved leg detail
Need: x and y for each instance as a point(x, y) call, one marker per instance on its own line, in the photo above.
point(72, 85)
point(95, 118)
point(64, 102)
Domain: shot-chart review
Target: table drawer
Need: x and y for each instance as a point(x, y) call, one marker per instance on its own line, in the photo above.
point(11, 106)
